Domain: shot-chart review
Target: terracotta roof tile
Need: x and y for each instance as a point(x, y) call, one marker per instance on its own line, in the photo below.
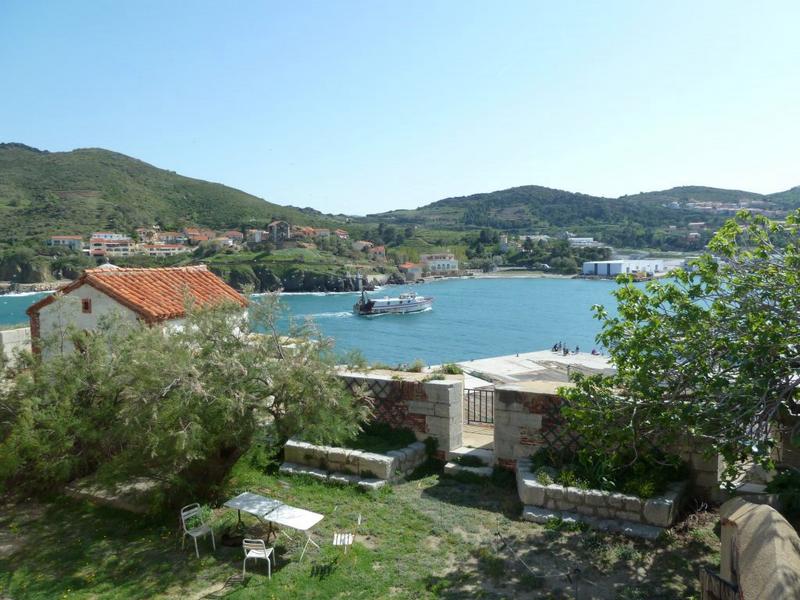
point(155, 294)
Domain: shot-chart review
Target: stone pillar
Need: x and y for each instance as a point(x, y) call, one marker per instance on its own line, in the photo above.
point(519, 411)
point(446, 424)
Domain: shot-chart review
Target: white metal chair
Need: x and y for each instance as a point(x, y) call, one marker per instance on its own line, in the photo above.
point(188, 512)
point(256, 549)
point(346, 539)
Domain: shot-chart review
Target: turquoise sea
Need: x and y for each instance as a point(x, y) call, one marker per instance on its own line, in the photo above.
point(471, 318)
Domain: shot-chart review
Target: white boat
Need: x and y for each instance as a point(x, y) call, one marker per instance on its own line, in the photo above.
point(405, 303)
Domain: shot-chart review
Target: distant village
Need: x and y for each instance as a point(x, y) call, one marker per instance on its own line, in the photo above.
point(153, 242)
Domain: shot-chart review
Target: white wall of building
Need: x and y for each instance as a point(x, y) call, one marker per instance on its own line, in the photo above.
point(13, 341)
point(67, 310)
point(612, 268)
point(439, 263)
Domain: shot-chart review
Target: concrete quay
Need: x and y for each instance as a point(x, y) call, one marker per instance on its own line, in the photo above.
point(542, 365)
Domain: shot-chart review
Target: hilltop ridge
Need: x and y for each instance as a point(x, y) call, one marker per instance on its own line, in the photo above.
point(44, 193)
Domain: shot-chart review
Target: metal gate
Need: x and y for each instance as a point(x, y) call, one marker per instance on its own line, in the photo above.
point(479, 407)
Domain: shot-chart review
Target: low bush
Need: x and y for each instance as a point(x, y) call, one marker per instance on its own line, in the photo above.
point(469, 461)
point(380, 437)
point(647, 476)
point(787, 485)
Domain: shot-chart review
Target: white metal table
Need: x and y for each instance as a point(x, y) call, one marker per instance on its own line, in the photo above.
point(274, 511)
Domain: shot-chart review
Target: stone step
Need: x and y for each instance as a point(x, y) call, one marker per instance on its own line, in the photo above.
point(540, 515)
point(485, 456)
point(452, 468)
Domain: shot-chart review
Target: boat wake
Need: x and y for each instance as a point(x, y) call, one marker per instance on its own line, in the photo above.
point(330, 315)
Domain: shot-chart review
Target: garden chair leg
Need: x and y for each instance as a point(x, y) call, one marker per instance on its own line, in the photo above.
point(196, 551)
point(213, 543)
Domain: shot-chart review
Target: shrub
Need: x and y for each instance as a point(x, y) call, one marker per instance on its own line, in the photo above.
point(787, 485)
point(179, 408)
point(645, 477)
point(469, 461)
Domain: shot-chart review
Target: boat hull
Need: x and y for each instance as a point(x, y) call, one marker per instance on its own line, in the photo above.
point(419, 306)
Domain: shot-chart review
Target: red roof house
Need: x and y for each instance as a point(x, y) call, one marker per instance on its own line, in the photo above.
point(150, 295)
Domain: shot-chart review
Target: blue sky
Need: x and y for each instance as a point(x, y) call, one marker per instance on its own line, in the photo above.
point(360, 107)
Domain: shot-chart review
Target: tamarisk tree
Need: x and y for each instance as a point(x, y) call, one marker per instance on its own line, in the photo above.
point(176, 405)
point(712, 351)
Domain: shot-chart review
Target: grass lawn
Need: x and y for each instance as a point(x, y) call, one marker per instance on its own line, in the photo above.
point(429, 537)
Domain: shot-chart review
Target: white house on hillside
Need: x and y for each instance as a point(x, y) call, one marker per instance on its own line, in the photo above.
point(439, 263)
point(150, 295)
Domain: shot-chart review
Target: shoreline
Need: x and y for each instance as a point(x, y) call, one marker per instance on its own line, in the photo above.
point(20, 289)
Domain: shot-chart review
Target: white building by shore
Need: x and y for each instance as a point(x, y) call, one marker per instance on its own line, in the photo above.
point(612, 268)
point(439, 263)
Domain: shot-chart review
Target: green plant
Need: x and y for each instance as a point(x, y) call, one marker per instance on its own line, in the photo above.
point(467, 460)
point(380, 437)
point(647, 476)
point(451, 369)
point(786, 484)
point(543, 475)
point(710, 350)
point(431, 446)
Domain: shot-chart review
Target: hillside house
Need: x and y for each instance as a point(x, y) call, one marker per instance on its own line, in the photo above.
point(321, 232)
point(171, 237)
point(256, 236)
point(118, 246)
point(411, 270)
point(439, 263)
point(279, 231)
point(361, 244)
point(73, 242)
point(302, 231)
point(154, 296)
point(163, 249)
point(378, 252)
point(341, 234)
point(237, 237)
point(108, 235)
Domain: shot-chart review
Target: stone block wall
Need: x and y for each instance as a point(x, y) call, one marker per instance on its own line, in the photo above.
point(429, 408)
point(387, 466)
point(13, 341)
point(660, 511)
point(523, 416)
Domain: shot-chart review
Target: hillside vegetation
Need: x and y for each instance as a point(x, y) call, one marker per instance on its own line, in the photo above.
point(45, 193)
point(630, 221)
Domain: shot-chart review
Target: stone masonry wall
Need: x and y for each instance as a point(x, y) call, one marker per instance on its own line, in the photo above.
point(428, 408)
point(660, 511)
point(355, 462)
point(522, 415)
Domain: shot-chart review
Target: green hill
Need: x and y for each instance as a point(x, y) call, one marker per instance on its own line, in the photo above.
point(639, 220)
point(44, 193)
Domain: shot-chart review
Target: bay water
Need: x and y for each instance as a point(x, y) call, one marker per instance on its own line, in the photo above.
point(471, 318)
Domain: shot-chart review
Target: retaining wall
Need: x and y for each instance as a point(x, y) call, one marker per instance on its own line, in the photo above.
point(391, 465)
point(660, 511)
point(428, 408)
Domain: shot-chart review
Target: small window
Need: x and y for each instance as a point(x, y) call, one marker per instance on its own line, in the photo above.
point(86, 305)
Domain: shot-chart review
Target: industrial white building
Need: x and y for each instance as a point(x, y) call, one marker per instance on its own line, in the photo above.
point(612, 268)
